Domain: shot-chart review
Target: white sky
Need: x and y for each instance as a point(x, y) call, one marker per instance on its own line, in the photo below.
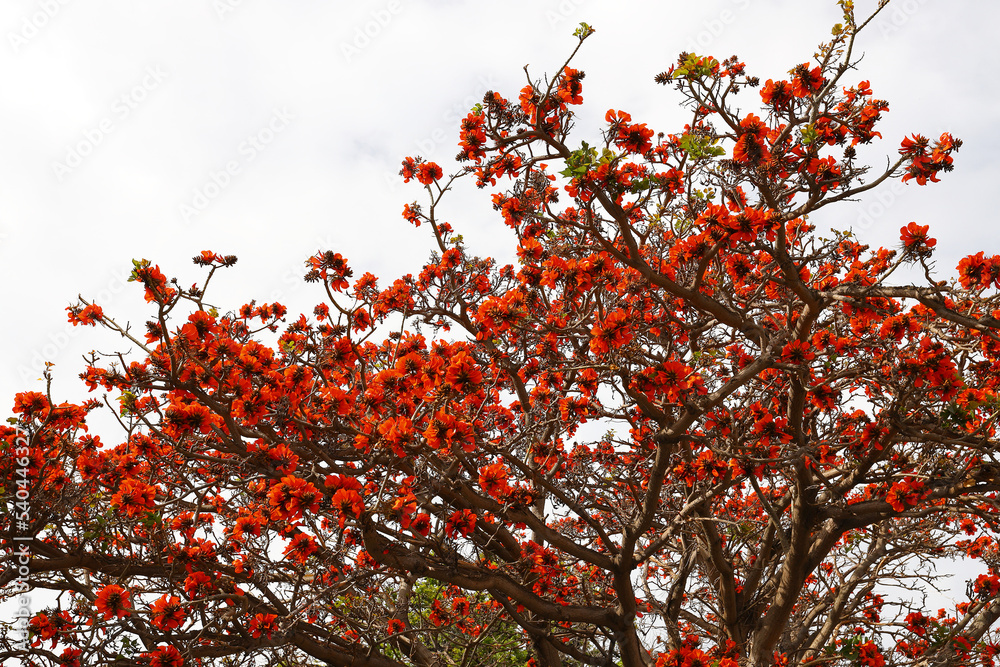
point(159, 96)
point(162, 95)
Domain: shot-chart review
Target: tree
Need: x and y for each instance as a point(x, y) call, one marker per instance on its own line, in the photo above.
point(686, 429)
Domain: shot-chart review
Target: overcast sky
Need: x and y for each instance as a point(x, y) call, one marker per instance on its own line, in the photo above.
point(271, 130)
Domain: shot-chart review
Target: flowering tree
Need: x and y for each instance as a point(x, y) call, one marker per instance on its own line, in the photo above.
point(684, 430)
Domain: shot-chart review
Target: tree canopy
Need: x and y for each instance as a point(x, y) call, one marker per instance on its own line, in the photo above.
point(686, 428)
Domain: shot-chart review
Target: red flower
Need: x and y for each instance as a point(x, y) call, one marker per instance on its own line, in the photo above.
point(113, 602)
point(906, 492)
point(613, 332)
point(409, 169)
point(750, 148)
point(924, 166)
point(31, 404)
point(776, 93)
point(43, 628)
point(797, 352)
point(411, 213)
point(870, 656)
point(917, 623)
point(198, 584)
point(806, 81)
point(493, 479)
point(135, 497)
point(292, 497)
point(634, 138)
point(167, 612)
point(89, 315)
point(472, 137)
point(331, 267)
point(348, 503)
point(70, 657)
point(428, 172)
point(262, 624)
point(153, 280)
point(462, 522)
point(977, 271)
point(421, 524)
point(915, 239)
point(463, 375)
point(570, 89)
point(166, 656)
point(986, 586)
point(183, 417)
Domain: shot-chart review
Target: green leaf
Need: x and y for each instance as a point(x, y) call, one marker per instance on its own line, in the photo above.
point(809, 134)
point(138, 264)
point(584, 31)
point(127, 401)
point(698, 146)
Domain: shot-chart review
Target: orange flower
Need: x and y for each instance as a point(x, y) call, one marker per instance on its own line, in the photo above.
point(776, 93)
point(292, 496)
point(198, 584)
point(634, 138)
point(113, 602)
point(154, 281)
point(421, 524)
point(167, 612)
point(915, 239)
point(89, 315)
point(570, 89)
point(262, 624)
point(977, 271)
point(43, 628)
point(463, 375)
point(472, 137)
point(348, 503)
point(462, 522)
point(31, 404)
point(806, 81)
point(166, 656)
point(750, 148)
point(300, 548)
point(428, 172)
point(135, 497)
point(493, 479)
point(613, 332)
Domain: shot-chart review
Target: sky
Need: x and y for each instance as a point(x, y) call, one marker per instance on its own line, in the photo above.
point(272, 130)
